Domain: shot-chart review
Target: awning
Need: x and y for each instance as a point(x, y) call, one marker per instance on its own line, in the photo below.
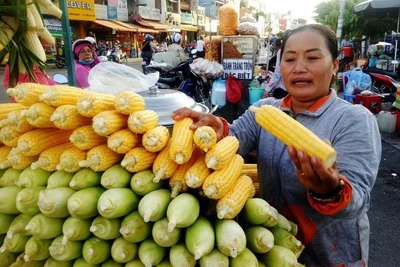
point(136, 28)
point(189, 28)
point(152, 24)
point(112, 25)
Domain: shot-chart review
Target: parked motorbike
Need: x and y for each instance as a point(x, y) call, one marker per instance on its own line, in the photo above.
point(60, 62)
point(383, 85)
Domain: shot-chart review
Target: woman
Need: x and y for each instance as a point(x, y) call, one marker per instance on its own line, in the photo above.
point(147, 49)
point(84, 61)
point(329, 205)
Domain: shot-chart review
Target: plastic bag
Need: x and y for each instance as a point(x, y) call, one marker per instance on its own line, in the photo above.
point(234, 89)
point(218, 93)
point(228, 19)
point(248, 28)
point(112, 78)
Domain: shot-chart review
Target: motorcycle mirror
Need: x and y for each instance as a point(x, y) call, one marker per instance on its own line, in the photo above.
point(60, 78)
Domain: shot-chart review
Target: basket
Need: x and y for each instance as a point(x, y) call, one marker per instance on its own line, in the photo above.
point(255, 93)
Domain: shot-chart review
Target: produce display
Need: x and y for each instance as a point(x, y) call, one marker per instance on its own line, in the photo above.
point(89, 179)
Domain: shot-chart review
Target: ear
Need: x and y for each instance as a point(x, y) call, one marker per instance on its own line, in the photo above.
point(335, 66)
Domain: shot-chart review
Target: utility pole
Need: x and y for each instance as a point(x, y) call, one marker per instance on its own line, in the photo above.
point(340, 22)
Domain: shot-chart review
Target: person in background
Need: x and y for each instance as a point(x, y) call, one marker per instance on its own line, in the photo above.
point(200, 47)
point(84, 61)
point(329, 205)
point(176, 45)
point(147, 49)
point(93, 42)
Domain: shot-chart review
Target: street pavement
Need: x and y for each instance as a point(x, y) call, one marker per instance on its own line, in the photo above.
point(385, 197)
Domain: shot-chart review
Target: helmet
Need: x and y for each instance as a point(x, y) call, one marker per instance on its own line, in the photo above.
point(91, 39)
point(148, 37)
point(77, 43)
point(176, 37)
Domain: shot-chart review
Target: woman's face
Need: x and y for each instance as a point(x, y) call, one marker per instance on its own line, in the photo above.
point(85, 54)
point(307, 66)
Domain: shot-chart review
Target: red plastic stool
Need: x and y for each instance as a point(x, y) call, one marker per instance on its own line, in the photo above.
point(371, 102)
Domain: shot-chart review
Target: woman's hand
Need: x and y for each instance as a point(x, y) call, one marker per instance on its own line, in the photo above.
point(200, 119)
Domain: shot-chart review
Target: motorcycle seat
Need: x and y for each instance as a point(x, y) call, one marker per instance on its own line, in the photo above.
point(168, 80)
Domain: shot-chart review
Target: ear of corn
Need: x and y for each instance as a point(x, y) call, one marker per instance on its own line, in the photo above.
point(4, 151)
point(292, 133)
point(85, 138)
point(92, 103)
point(182, 141)
point(49, 158)
point(251, 171)
point(58, 95)
point(205, 138)
point(232, 203)
point(222, 153)
point(27, 93)
point(218, 183)
point(100, 158)
point(7, 108)
point(32, 41)
point(19, 161)
point(123, 140)
point(156, 139)
point(9, 136)
point(138, 159)
point(164, 166)
point(127, 102)
point(141, 121)
point(39, 115)
point(50, 8)
point(70, 158)
point(9, 26)
point(67, 117)
point(197, 173)
point(108, 122)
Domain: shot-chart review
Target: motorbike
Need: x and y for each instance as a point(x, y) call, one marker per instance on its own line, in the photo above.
point(117, 55)
point(383, 85)
point(60, 62)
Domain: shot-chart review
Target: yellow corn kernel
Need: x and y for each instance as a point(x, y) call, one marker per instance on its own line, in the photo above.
point(292, 133)
point(156, 139)
point(6, 109)
point(205, 138)
point(4, 151)
point(251, 171)
point(67, 117)
point(164, 166)
point(9, 136)
point(123, 140)
point(32, 41)
point(93, 103)
point(9, 26)
point(218, 183)
point(39, 115)
point(138, 159)
point(197, 173)
point(181, 141)
point(18, 161)
point(177, 182)
point(49, 158)
point(70, 158)
point(222, 153)
point(108, 122)
point(35, 142)
point(232, 203)
point(27, 93)
point(141, 121)
point(85, 138)
point(127, 102)
point(100, 158)
point(58, 95)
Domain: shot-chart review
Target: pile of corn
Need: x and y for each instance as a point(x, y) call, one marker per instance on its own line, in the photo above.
point(90, 179)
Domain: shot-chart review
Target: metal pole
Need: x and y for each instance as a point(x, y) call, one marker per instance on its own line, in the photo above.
point(340, 22)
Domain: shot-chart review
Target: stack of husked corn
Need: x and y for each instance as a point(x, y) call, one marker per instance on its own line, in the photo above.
point(90, 179)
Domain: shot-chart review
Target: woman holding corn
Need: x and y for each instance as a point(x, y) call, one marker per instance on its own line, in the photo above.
point(329, 204)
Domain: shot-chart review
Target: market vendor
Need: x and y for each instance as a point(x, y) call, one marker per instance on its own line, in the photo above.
point(329, 204)
point(84, 58)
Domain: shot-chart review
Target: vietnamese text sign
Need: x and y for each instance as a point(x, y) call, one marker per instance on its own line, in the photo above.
point(112, 13)
point(81, 10)
point(101, 11)
point(210, 6)
point(240, 68)
point(149, 13)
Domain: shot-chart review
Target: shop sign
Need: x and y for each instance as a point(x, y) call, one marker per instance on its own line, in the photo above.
point(173, 19)
point(122, 14)
point(123, 4)
point(186, 17)
point(201, 16)
point(149, 13)
point(240, 68)
point(112, 13)
point(81, 10)
point(113, 3)
point(210, 7)
point(101, 11)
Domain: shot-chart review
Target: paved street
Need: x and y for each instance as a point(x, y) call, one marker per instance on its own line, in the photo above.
point(385, 202)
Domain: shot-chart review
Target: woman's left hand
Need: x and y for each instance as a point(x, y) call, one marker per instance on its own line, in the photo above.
point(313, 174)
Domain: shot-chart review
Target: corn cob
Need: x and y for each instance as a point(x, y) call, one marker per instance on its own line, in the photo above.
point(31, 20)
point(177, 182)
point(251, 171)
point(108, 122)
point(218, 183)
point(18, 161)
point(9, 26)
point(4, 151)
point(292, 133)
point(9, 136)
point(85, 138)
point(205, 138)
point(156, 139)
point(182, 141)
point(49, 158)
point(7, 108)
point(93, 103)
point(58, 95)
point(127, 102)
point(232, 203)
point(197, 173)
point(123, 140)
point(100, 158)
point(138, 159)
point(27, 93)
point(39, 115)
point(33, 43)
point(141, 121)
point(50, 8)
point(222, 153)
point(35, 142)
point(70, 158)
point(67, 117)
point(23, 125)
point(164, 166)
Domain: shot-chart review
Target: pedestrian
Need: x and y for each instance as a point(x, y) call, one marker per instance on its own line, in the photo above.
point(200, 47)
point(329, 205)
point(147, 49)
point(84, 61)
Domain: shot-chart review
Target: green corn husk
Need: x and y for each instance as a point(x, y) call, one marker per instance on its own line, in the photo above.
point(153, 206)
point(286, 239)
point(179, 255)
point(44, 227)
point(50, 262)
point(135, 263)
point(27, 200)
point(164, 263)
point(111, 263)
point(230, 237)
point(65, 252)
point(246, 258)
point(33, 177)
point(260, 264)
point(259, 239)
point(37, 249)
point(116, 177)
point(10, 176)
point(183, 211)
point(83, 203)
point(80, 262)
point(8, 199)
point(162, 236)
point(53, 202)
point(272, 220)
point(214, 259)
point(134, 228)
point(20, 262)
point(123, 251)
point(96, 251)
point(150, 253)
point(200, 237)
point(284, 223)
point(106, 229)
point(59, 179)
point(2, 172)
point(295, 228)
point(76, 229)
point(18, 225)
point(142, 182)
point(256, 211)
point(279, 256)
point(117, 202)
point(5, 222)
point(7, 258)
point(2, 237)
point(85, 178)
point(15, 244)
